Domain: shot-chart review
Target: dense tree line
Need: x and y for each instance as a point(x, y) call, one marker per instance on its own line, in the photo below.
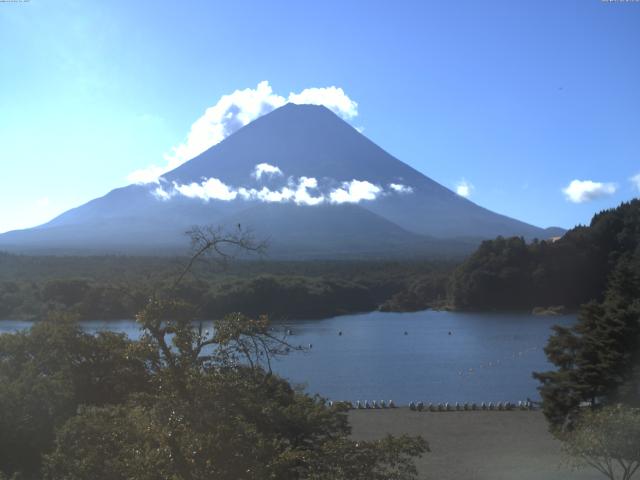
point(420, 292)
point(105, 288)
point(597, 360)
point(508, 273)
point(594, 269)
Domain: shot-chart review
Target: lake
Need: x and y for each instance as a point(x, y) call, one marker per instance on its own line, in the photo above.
point(443, 357)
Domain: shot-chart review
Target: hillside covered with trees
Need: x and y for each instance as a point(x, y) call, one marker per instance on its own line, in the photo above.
point(510, 274)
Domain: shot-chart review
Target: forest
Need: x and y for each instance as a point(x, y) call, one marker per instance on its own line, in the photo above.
point(503, 274)
point(510, 274)
point(112, 287)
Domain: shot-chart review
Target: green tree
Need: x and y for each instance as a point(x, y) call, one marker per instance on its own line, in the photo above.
point(47, 373)
point(508, 273)
point(179, 403)
point(596, 359)
point(607, 440)
point(217, 411)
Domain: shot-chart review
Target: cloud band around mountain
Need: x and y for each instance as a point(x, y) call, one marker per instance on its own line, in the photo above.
point(302, 191)
point(234, 111)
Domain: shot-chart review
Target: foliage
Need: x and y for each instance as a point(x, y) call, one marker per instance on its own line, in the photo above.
point(422, 292)
point(179, 403)
point(595, 269)
point(106, 288)
point(508, 273)
point(597, 359)
point(215, 412)
point(46, 373)
point(607, 440)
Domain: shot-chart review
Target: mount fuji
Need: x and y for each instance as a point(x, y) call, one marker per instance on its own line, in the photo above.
point(300, 177)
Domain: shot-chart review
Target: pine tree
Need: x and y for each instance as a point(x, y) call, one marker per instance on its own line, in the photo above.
point(597, 360)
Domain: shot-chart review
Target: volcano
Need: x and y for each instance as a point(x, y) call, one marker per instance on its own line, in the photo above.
point(300, 177)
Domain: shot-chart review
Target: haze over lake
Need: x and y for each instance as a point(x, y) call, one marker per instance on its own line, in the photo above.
point(487, 357)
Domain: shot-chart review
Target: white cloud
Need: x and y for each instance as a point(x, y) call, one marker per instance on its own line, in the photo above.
point(231, 113)
point(400, 188)
point(211, 188)
point(234, 111)
point(302, 195)
point(265, 169)
point(333, 98)
point(579, 191)
point(464, 188)
point(161, 194)
point(151, 174)
point(297, 193)
point(354, 192)
point(302, 191)
point(636, 181)
point(267, 195)
point(215, 189)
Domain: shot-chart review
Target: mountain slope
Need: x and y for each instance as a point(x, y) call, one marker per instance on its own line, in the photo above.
point(325, 188)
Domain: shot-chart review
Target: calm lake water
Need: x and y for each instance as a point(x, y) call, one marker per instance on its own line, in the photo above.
point(486, 358)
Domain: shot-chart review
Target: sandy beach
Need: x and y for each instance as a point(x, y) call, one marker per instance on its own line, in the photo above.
point(479, 445)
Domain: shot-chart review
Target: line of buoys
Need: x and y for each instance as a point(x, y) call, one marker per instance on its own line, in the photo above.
point(366, 404)
point(437, 407)
point(464, 407)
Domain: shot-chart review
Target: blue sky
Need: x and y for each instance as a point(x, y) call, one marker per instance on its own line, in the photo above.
point(517, 99)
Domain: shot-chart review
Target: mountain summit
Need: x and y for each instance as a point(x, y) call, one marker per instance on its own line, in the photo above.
point(300, 176)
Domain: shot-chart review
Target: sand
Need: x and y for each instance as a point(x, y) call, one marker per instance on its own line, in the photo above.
point(479, 445)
